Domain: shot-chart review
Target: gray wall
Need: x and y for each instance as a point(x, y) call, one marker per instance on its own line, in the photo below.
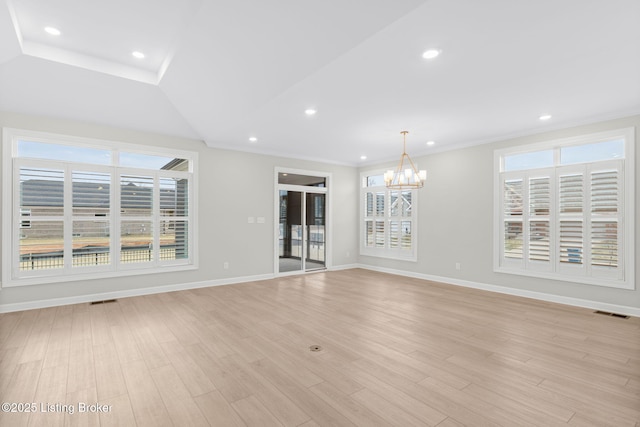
point(223, 208)
point(455, 210)
point(456, 220)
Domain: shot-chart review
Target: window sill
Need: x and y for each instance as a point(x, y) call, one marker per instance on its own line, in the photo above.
point(627, 284)
point(389, 255)
point(42, 280)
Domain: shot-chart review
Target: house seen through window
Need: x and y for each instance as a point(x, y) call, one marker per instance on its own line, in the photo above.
point(83, 209)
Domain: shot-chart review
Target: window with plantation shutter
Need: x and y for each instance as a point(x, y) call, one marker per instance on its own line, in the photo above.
point(567, 221)
point(388, 222)
point(86, 209)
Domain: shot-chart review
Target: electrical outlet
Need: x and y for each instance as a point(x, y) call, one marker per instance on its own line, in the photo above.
point(226, 265)
point(458, 266)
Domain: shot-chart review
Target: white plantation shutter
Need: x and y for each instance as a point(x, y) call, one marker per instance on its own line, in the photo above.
point(539, 240)
point(538, 217)
point(513, 239)
point(174, 219)
point(369, 204)
point(42, 191)
point(571, 193)
point(571, 242)
point(369, 213)
point(369, 233)
point(41, 195)
point(604, 192)
point(604, 243)
point(380, 236)
point(539, 196)
point(394, 234)
point(91, 226)
point(137, 227)
point(380, 196)
point(513, 199)
point(91, 193)
point(136, 195)
point(605, 217)
point(571, 217)
point(405, 235)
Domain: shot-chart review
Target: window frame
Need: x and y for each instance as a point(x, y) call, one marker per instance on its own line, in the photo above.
point(387, 251)
point(555, 270)
point(11, 218)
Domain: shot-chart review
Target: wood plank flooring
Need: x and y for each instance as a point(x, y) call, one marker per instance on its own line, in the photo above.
point(395, 351)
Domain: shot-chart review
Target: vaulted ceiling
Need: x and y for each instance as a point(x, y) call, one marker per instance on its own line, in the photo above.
point(224, 71)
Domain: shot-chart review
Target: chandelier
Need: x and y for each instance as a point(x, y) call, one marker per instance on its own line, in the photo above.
point(406, 175)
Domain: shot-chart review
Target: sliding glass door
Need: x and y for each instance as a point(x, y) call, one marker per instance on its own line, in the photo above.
point(301, 223)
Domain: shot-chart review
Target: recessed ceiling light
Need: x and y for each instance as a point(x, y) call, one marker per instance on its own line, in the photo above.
point(363, 157)
point(431, 53)
point(137, 54)
point(545, 117)
point(310, 111)
point(430, 143)
point(53, 31)
point(253, 139)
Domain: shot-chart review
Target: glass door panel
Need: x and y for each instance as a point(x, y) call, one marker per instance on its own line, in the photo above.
point(291, 236)
point(315, 236)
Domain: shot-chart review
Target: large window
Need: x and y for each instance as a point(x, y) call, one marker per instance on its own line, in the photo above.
point(565, 210)
point(81, 208)
point(388, 220)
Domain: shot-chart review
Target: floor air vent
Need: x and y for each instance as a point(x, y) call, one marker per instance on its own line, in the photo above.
point(606, 313)
point(103, 302)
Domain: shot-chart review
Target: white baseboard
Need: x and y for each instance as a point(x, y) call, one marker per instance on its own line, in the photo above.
point(344, 267)
point(576, 302)
point(54, 302)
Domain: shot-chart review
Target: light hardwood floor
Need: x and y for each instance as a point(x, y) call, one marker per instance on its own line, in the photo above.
point(395, 351)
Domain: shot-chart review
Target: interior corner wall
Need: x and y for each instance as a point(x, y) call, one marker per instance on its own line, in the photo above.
point(232, 186)
point(456, 222)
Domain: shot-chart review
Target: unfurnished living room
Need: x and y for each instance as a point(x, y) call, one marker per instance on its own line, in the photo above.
point(337, 213)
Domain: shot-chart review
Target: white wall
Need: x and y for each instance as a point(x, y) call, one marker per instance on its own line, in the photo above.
point(224, 204)
point(456, 221)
